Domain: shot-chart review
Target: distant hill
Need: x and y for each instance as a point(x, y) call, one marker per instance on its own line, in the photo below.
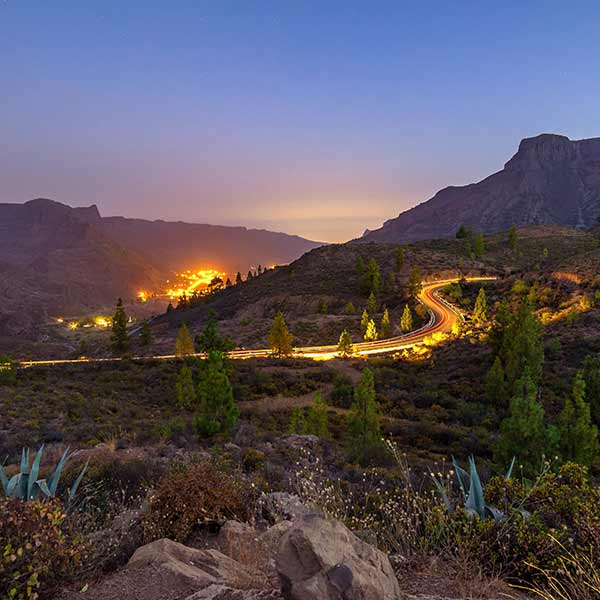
point(550, 180)
point(55, 259)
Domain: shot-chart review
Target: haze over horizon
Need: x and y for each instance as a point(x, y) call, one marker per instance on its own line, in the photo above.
point(316, 120)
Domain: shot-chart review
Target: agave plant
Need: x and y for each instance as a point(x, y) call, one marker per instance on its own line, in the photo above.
point(472, 491)
point(25, 485)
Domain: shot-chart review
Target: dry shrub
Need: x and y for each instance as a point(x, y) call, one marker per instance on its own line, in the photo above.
point(38, 549)
point(199, 494)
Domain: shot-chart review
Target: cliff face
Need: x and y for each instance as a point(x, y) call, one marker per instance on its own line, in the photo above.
point(550, 180)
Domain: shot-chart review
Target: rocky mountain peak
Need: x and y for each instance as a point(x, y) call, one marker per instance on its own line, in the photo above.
point(543, 151)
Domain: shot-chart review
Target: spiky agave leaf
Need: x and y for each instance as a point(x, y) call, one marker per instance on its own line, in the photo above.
point(442, 492)
point(462, 476)
point(510, 469)
point(4, 480)
point(35, 470)
point(475, 500)
point(56, 473)
point(75, 485)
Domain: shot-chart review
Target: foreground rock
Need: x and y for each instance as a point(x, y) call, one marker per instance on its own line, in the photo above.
point(320, 559)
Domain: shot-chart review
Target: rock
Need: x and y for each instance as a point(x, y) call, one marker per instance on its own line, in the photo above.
point(199, 568)
point(221, 592)
point(245, 435)
point(238, 541)
point(320, 559)
point(298, 443)
point(281, 506)
point(233, 449)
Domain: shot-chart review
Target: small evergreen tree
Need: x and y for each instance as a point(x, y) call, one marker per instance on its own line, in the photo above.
point(249, 276)
point(495, 385)
point(513, 238)
point(360, 266)
point(185, 389)
point(210, 339)
point(406, 321)
point(479, 246)
point(386, 326)
point(462, 233)
point(228, 283)
point(371, 332)
point(414, 286)
point(364, 432)
point(184, 345)
point(523, 433)
point(322, 307)
point(317, 420)
point(350, 310)
point(578, 437)
point(145, 334)
point(371, 278)
point(260, 269)
point(399, 259)
point(480, 311)
point(345, 347)
point(591, 375)
point(8, 375)
point(364, 321)
point(297, 422)
point(372, 304)
point(280, 339)
point(170, 307)
point(217, 409)
point(238, 278)
point(119, 339)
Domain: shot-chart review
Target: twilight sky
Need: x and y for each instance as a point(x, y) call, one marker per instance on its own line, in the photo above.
point(318, 118)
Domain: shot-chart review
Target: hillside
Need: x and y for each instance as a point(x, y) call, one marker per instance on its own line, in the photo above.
point(550, 180)
point(329, 275)
point(53, 261)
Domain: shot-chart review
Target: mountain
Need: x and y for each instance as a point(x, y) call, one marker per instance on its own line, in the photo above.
point(175, 246)
point(550, 180)
point(55, 259)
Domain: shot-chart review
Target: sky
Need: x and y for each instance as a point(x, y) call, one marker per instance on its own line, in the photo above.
point(314, 118)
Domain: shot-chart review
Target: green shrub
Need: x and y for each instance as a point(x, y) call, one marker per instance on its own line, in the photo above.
point(38, 549)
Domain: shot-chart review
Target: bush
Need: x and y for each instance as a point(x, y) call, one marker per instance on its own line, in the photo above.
point(38, 550)
point(197, 495)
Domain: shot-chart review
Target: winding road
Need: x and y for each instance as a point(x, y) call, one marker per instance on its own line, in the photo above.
point(442, 317)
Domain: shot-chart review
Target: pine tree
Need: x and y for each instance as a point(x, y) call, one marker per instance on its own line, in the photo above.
point(280, 339)
point(523, 433)
point(238, 278)
point(119, 338)
point(495, 386)
point(371, 279)
point(364, 433)
point(182, 302)
point(406, 321)
point(145, 334)
point(399, 262)
point(414, 286)
point(462, 233)
point(259, 270)
point(360, 266)
point(185, 389)
point(184, 345)
point(513, 238)
point(210, 339)
point(578, 437)
point(456, 327)
point(479, 246)
point(228, 283)
point(371, 332)
point(217, 409)
point(249, 276)
point(170, 307)
point(350, 310)
point(386, 326)
point(372, 304)
point(480, 311)
point(591, 375)
point(364, 321)
point(317, 420)
point(345, 347)
point(8, 374)
point(297, 422)
point(516, 337)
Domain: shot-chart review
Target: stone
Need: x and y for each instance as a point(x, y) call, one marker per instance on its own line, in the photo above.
point(321, 559)
point(282, 506)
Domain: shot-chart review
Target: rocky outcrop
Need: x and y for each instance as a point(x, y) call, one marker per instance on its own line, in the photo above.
point(320, 559)
point(550, 180)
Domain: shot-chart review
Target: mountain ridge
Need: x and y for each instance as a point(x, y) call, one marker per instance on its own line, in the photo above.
point(549, 180)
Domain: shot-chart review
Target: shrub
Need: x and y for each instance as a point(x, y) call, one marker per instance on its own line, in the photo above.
point(38, 550)
point(196, 495)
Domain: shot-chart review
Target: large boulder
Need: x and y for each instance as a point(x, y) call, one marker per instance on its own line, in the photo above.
point(321, 559)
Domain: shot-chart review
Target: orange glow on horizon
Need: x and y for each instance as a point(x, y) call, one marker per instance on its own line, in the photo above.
point(190, 281)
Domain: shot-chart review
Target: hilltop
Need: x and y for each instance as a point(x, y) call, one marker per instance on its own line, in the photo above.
point(550, 180)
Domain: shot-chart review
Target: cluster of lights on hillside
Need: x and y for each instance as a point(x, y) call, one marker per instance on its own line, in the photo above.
point(190, 281)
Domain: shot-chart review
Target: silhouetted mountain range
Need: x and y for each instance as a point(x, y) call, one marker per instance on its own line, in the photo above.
point(57, 259)
point(550, 180)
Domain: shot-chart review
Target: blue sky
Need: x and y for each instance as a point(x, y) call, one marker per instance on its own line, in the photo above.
point(317, 118)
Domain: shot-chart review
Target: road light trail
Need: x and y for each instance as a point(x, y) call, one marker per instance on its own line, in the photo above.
point(442, 317)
